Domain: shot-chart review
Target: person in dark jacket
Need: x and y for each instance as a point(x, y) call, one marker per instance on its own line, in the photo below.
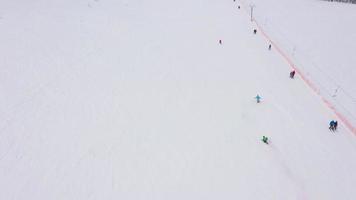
point(332, 125)
point(265, 139)
point(291, 74)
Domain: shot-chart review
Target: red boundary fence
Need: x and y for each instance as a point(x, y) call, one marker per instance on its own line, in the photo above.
point(345, 121)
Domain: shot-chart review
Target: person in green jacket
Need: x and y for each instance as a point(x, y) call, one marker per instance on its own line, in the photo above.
point(265, 139)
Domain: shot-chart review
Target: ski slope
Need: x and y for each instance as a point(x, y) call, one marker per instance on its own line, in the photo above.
point(318, 37)
point(105, 99)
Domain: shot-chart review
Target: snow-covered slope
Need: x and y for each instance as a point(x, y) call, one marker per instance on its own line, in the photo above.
point(137, 100)
point(319, 38)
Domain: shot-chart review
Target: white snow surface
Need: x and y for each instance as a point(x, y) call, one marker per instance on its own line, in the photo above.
point(320, 38)
point(113, 99)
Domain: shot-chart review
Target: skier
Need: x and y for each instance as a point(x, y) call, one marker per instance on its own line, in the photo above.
point(254, 31)
point(238, 7)
point(335, 125)
point(269, 47)
point(265, 139)
point(258, 98)
point(220, 42)
point(291, 74)
point(332, 125)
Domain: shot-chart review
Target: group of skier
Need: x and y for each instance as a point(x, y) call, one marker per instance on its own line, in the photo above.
point(333, 124)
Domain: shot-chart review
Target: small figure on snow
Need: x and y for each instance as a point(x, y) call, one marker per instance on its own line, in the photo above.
point(254, 31)
point(291, 74)
point(220, 42)
point(238, 7)
point(258, 98)
point(269, 47)
point(265, 139)
point(332, 125)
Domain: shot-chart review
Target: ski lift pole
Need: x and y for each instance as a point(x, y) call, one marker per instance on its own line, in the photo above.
point(252, 6)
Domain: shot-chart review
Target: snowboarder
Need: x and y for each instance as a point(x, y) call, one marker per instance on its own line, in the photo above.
point(265, 139)
point(258, 98)
point(269, 47)
point(332, 125)
point(254, 31)
point(220, 42)
point(291, 74)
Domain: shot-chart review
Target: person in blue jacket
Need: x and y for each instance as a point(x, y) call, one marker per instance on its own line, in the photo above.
point(258, 98)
